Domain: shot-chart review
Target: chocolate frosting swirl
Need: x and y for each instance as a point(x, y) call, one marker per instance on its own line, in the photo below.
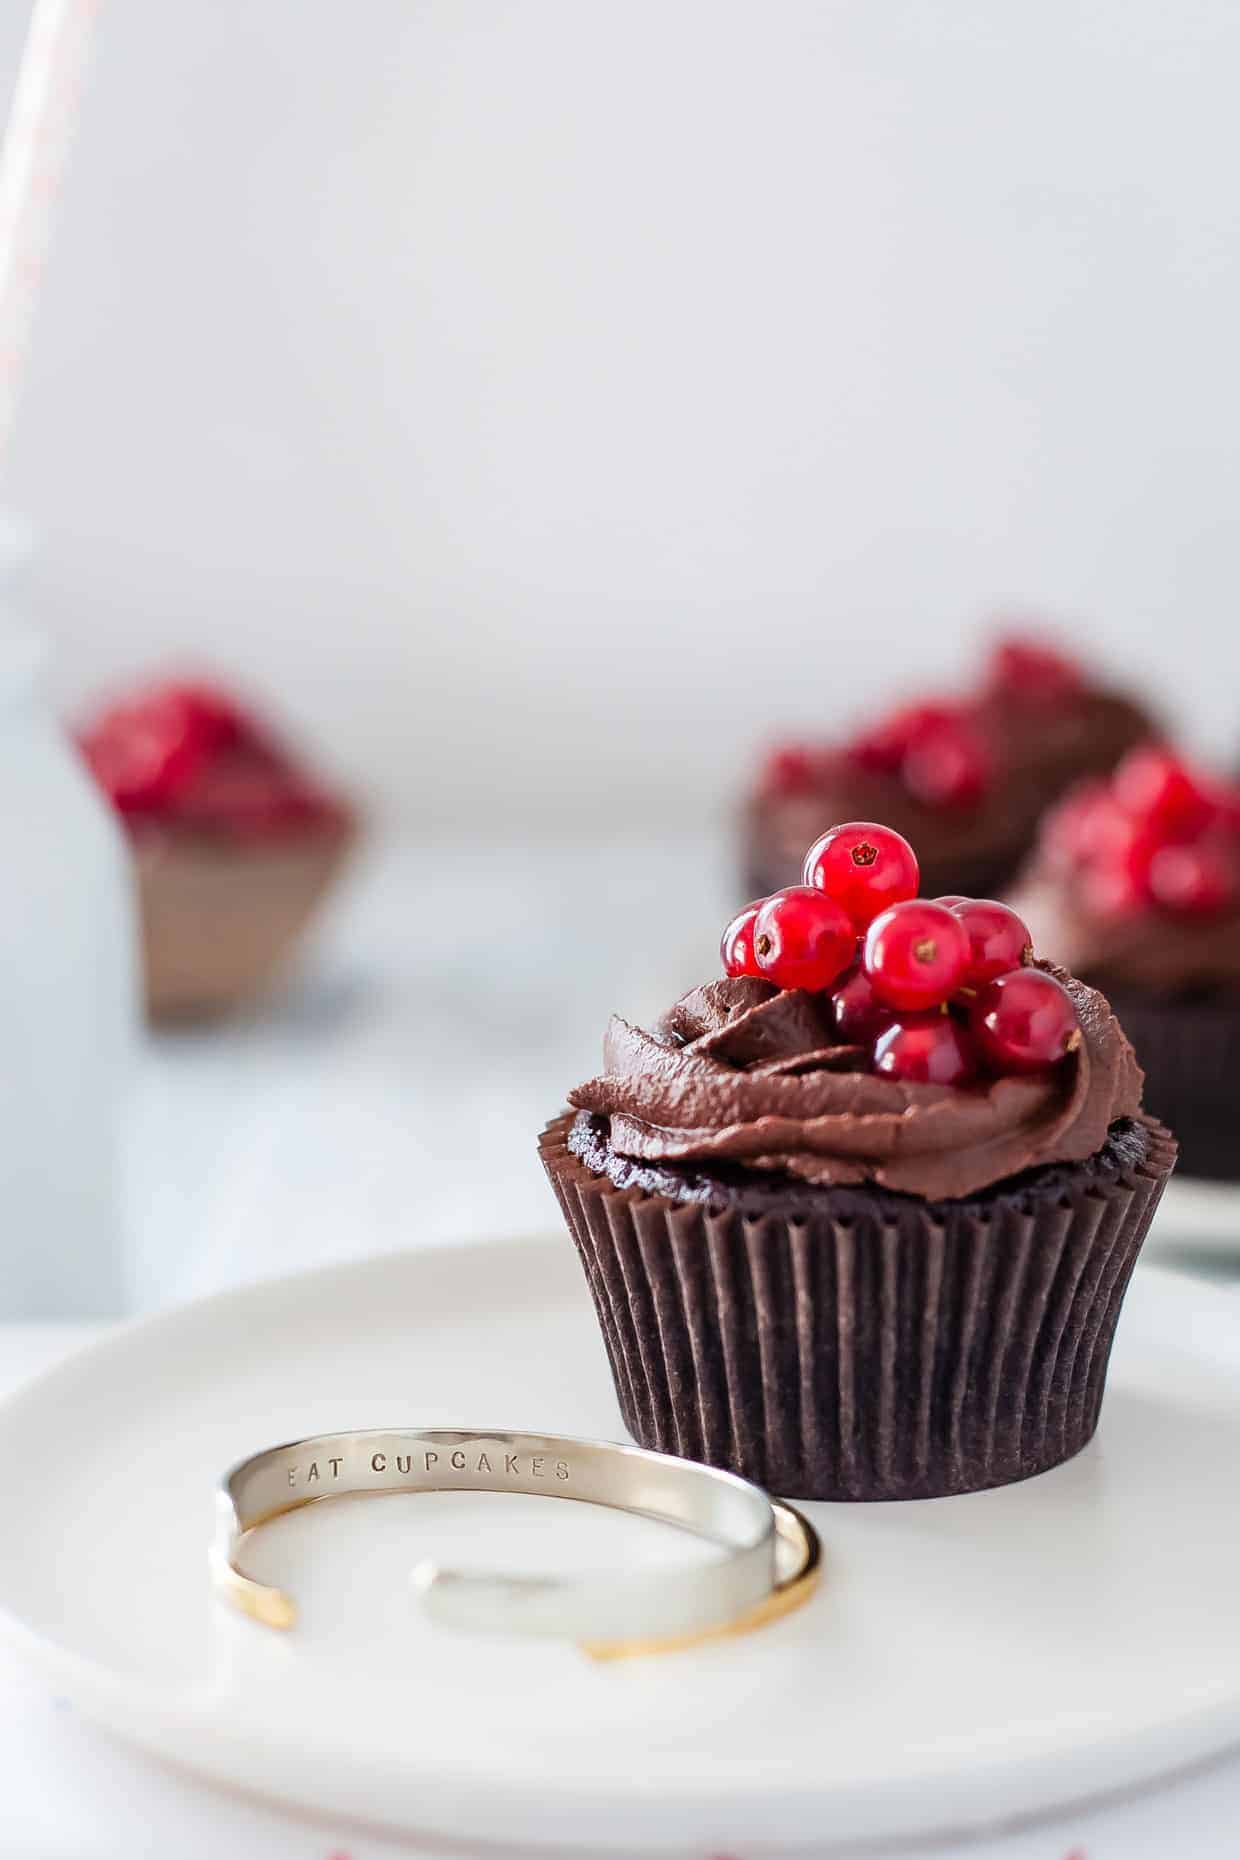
point(740, 1072)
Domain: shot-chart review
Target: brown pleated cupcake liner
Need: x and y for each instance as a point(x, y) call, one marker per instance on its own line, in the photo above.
point(219, 922)
point(1191, 1054)
point(933, 1349)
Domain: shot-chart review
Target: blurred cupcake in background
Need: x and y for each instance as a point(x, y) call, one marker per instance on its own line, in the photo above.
point(1135, 882)
point(235, 842)
point(966, 778)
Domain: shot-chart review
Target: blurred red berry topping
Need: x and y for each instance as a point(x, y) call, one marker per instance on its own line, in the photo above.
point(790, 768)
point(946, 753)
point(936, 750)
point(883, 744)
point(1153, 786)
point(1159, 836)
point(143, 753)
point(1025, 670)
point(187, 754)
point(948, 767)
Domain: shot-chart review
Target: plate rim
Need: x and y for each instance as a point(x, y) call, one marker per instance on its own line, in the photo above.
point(181, 1726)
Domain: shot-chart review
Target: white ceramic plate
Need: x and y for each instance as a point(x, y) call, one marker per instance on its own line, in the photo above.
point(1198, 1218)
point(968, 1660)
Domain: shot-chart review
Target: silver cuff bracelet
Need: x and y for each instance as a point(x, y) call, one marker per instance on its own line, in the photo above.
point(770, 1562)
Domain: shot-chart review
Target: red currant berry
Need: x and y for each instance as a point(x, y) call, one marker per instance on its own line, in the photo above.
point(1107, 837)
point(790, 768)
point(211, 717)
point(998, 939)
point(1029, 672)
point(926, 1049)
point(1092, 840)
point(142, 754)
point(951, 899)
point(864, 867)
point(736, 943)
point(1196, 881)
point(883, 745)
point(1024, 1021)
point(859, 1016)
point(1114, 889)
point(916, 954)
point(947, 767)
point(803, 939)
point(1067, 828)
point(1154, 787)
point(1225, 797)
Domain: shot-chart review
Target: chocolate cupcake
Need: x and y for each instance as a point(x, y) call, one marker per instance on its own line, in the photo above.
point(861, 1229)
point(966, 780)
point(235, 844)
point(1136, 882)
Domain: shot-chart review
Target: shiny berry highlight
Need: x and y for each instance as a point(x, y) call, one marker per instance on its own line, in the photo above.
point(915, 955)
point(925, 1049)
point(864, 866)
point(736, 943)
point(803, 939)
point(1024, 1022)
point(998, 939)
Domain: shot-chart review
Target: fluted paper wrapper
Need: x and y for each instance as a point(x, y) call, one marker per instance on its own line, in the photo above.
point(219, 922)
point(1190, 1051)
point(940, 1349)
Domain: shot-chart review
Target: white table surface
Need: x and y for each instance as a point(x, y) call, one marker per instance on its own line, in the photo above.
point(391, 1099)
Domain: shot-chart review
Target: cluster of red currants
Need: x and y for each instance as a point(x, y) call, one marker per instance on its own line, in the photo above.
point(935, 750)
point(187, 754)
point(1158, 835)
point(938, 752)
point(939, 990)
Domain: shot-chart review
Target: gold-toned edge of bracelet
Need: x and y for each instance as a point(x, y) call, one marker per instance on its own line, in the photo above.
point(274, 1608)
point(790, 1593)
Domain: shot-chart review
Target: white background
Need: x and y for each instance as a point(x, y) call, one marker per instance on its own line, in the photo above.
point(537, 399)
